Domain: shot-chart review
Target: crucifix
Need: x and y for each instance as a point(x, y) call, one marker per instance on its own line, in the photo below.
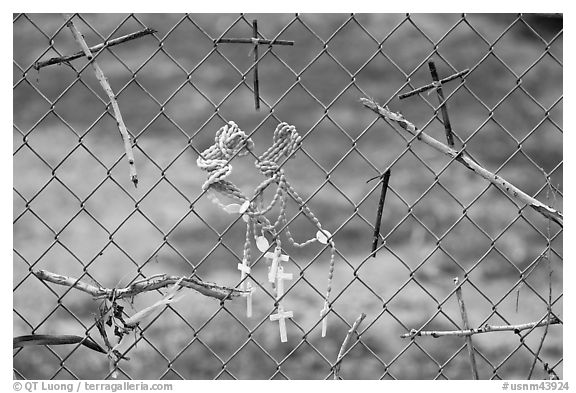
point(281, 318)
point(276, 257)
point(249, 300)
point(280, 277)
point(244, 271)
point(254, 40)
point(323, 315)
point(281, 315)
point(437, 84)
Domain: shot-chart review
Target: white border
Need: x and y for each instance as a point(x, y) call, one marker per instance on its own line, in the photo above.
point(301, 6)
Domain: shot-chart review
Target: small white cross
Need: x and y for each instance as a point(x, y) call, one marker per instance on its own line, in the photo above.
point(281, 276)
point(324, 316)
point(244, 271)
point(275, 256)
point(281, 318)
point(249, 300)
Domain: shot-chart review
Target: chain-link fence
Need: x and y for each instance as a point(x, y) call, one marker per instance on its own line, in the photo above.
point(77, 213)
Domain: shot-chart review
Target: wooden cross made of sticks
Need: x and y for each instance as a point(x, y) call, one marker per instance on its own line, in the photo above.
point(254, 40)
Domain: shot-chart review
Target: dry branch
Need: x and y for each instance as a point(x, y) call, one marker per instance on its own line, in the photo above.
point(95, 48)
point(106, 86)
point(258, 41)
point(484, 329)
point(549, 312)
point(465, 160)
point(345, 344)
point(376, 235)
point(49, 339)
point(146, 285)
point(466, 325)
point(549, 305)
point(443, 103)
point(256, 80)
point(434, 84)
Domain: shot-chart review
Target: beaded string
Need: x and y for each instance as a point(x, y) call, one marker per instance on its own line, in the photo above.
point(286, 140)
point(230, 140)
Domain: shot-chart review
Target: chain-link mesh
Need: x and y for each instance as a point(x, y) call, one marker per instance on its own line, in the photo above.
point(76, 213)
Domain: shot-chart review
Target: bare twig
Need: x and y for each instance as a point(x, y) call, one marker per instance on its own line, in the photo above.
point(256, 82)
point(258, 41)
point(255, 41)
point(376, 236)
point(466, 327)
point(549, 305)
point(102, 330)
point(551, 373)
point(156, 282)
point(467, 161)
point(50, 339)
point(443, 104)
point(106, 86)
point(345, 344)
point(484, 329)
point(433, 84)
point(95, 48)
point(547, 325)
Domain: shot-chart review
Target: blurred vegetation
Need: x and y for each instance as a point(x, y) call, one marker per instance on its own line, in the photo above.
point(76, 211)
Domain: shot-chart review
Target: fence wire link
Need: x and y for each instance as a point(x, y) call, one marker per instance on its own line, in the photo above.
point(76, 212)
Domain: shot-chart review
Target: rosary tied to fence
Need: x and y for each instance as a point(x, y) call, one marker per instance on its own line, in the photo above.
point(230, 141)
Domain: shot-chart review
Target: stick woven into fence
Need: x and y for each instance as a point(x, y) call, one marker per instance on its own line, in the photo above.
point(466, 326)
point(106, 86)
point(95, 48)
point(484, 329)
point(50, 339)
point(433, 85)
point(146, 285)
point(465, 160)
point(341, 353)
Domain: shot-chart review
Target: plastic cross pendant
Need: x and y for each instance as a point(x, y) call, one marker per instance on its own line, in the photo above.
point(275, 256)
point(281, 318)
point(244, 271)
point(324, 316)
point(249, 300)
point(281, 276)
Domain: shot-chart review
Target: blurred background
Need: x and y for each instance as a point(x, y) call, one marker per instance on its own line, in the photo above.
point(77, 213)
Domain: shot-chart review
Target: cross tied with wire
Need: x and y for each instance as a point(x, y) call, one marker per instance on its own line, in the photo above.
point(230, 141)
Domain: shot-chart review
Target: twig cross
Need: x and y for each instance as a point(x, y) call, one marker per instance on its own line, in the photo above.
point(254, 40)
